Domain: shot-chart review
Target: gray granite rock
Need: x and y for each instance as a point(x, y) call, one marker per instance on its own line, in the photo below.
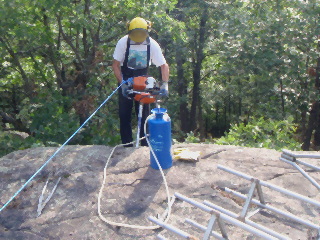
point(134, 191)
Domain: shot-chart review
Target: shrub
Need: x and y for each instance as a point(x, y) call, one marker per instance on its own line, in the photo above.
point(263, 133)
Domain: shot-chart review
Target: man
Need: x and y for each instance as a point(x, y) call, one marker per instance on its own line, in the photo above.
point(131, 58)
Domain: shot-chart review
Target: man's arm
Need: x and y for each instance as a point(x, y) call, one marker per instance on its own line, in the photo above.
point(117, 70)
point(164, 89)
point(165, 72)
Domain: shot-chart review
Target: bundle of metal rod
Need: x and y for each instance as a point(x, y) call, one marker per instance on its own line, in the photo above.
point(255, 185)
point(160, 237)
point(306, 175)
point(171, 229)
point(270, 208)
point(295, 155)
point(291, 158)
point(275, 210)
point(247, 221)
point(224, 218)
point(203, 228)
point(271, 186)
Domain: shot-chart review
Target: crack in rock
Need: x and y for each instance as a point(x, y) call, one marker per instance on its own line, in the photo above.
point(128, 171)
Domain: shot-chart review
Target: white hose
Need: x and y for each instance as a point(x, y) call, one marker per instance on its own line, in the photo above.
point(167, 212)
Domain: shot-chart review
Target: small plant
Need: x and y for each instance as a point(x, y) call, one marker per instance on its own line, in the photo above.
point(192, 138)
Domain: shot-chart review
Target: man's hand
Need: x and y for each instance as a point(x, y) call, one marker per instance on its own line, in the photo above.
point(164, 89)
point(130, 81)
point(126, 84)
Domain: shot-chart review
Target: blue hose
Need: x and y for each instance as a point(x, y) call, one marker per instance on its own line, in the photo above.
point(56, 152)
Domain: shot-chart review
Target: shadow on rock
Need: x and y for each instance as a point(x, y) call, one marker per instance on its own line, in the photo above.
point(143, 193)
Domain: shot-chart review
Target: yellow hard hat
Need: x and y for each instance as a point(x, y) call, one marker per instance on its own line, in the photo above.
point(138, 22)
point(138, 29)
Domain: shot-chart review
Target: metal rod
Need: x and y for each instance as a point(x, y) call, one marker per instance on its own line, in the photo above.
point(275, 210)
point(222, 227)
point(306, 175)
point(171, 228)
point(308, 165)
point(300, 155)
point(203, 228)
point(246, 205)
point(271, 186)
point(259, 191)
point(292, 159)
point(247, 221)
point(196, 204)
point(225, 217)
point(209, 229)
point(139, 124)
point(160, 237)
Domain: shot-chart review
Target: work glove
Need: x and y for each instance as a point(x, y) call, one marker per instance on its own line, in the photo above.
point(164, 89)
point(126, 85)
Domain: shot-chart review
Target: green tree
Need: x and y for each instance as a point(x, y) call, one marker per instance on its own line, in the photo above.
point(230, 62)
point(56, 59)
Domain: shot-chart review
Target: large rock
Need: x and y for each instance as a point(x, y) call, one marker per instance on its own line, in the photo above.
point(134, 191)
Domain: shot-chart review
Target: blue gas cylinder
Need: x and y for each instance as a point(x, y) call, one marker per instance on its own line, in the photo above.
point(160, 138)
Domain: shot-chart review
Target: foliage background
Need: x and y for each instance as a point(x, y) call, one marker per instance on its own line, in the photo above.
point(247, 67)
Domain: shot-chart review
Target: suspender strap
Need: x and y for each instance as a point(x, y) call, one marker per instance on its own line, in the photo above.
point(148, 52)
point(126, 56)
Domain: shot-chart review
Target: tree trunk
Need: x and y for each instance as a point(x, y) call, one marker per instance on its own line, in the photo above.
point(316, 141)
point(318, 68)
point(27, 84)
point(313, 118)
point(194, 115)
point(195, 98)
point(183, 93)
point(304, 90)
point(239, 100)
point(282, 99)
point(202, 127)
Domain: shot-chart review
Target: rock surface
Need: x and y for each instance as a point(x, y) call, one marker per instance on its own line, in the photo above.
point(134, 191)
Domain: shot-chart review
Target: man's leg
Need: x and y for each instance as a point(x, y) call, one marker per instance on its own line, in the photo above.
point(125, 110)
